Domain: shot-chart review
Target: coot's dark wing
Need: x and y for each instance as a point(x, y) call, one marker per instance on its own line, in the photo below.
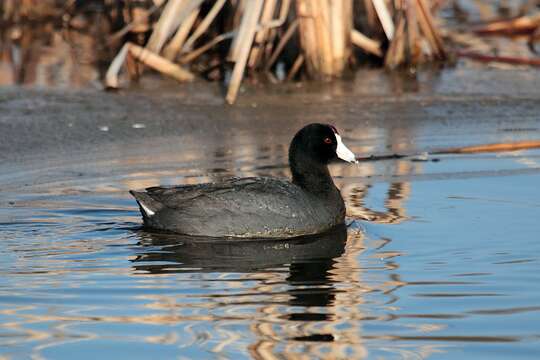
point(247, 207)
point(176, 197)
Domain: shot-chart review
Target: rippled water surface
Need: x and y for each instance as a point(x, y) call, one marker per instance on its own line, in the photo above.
point(440, 258)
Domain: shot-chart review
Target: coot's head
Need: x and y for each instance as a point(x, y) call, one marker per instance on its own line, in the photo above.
point(319, 143)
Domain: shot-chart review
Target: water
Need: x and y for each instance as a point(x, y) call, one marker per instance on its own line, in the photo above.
point(439, 260)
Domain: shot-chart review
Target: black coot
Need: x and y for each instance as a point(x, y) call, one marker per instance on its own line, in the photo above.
point(258, 207)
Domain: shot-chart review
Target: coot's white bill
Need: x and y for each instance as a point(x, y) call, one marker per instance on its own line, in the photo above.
point(343, 152)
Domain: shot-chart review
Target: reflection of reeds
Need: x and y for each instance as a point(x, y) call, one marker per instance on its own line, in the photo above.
point(395, 211)
point(398, 193)
point(313, 322)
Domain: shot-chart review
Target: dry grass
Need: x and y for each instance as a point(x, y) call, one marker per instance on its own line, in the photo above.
point(278, 40)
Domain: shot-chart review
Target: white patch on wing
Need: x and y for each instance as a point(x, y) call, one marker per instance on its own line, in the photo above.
point(343, 152)
point(146, 209)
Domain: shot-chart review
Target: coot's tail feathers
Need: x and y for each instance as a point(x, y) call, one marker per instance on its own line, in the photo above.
point(148, 206)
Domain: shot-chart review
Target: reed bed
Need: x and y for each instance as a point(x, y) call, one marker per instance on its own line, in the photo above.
point(278, 40)
point(232, 41)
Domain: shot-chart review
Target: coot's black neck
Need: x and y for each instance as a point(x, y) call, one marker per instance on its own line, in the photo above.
point(311, 175)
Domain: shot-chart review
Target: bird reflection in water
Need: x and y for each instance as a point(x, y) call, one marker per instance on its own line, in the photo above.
point(310, 256)
point(290, 282)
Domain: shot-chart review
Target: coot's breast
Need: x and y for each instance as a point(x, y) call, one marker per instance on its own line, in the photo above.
point(248, 207)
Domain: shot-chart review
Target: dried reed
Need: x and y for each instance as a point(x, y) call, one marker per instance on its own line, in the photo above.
point(313, 38)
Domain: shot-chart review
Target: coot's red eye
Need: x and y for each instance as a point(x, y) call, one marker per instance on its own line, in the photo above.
point(327, 140)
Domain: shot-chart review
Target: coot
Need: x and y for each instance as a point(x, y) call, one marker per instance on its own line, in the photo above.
point(258, 207)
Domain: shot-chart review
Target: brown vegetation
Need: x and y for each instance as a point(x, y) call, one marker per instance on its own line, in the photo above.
point(312, 38)
point(268, 40)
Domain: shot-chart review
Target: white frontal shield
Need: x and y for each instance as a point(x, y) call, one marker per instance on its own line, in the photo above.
point(343, 152)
